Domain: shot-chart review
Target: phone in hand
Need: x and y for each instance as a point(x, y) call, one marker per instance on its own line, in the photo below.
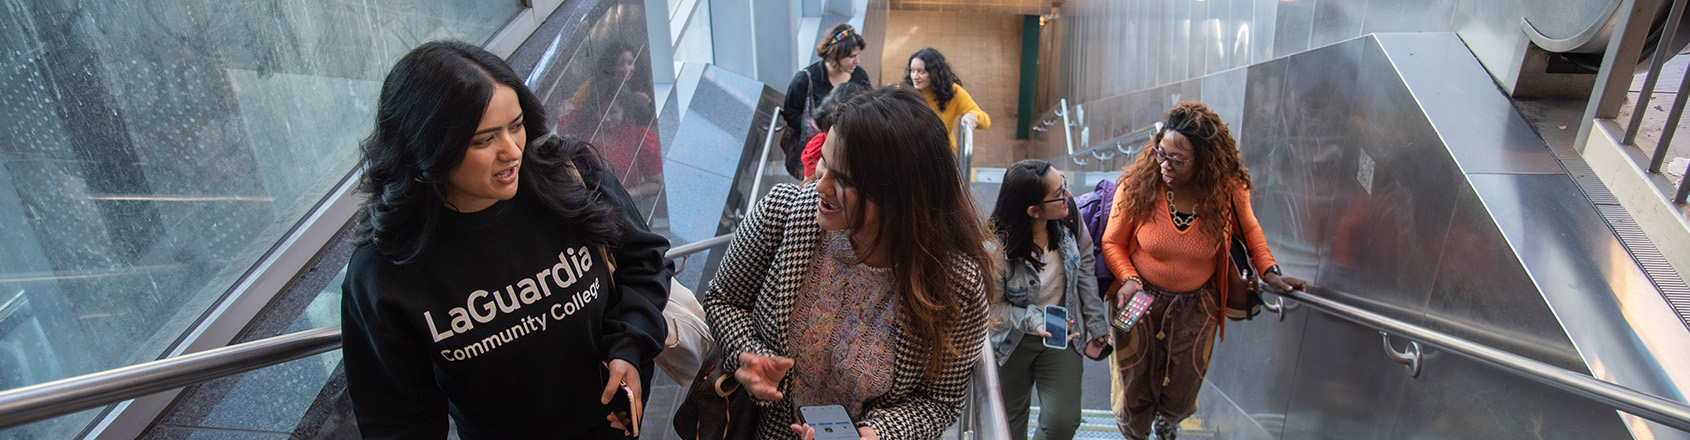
point(831, 422)
point(1056, 323)
point(1134, 310)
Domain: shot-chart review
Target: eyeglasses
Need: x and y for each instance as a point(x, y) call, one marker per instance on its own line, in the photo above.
point(1172, 163)
point(1061, 192)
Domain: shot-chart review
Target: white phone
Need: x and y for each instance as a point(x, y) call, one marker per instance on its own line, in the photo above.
point(831, 422)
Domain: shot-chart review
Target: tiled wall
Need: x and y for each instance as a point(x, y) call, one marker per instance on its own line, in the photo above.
point(985, 51)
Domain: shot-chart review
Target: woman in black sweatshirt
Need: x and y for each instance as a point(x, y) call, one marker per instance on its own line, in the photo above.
point(502, 276)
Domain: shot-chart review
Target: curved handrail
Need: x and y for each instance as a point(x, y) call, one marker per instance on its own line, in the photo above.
point(1586, 40)
point(983, 415)
point(64, 396)
point(1648, 406)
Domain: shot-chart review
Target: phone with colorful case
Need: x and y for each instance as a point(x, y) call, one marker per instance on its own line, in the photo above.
point(1135, 309)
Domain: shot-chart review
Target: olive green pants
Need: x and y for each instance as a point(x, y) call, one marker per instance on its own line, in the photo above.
point(1057, 373)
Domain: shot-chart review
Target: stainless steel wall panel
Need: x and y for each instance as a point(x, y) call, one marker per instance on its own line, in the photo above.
point(1180, 51)
point(1263, 29)
point(1481, 128)
point(1336, 20)
point(1224, 93)
point(1491, 29)
point(1408, 16)
point(1485, 295)
point(1345, 387)
point(1294, 24)
point(1458, 398)
point(1202, 41)
point(1620, 324)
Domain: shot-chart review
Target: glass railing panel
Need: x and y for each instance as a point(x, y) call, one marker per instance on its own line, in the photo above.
point(156, 150)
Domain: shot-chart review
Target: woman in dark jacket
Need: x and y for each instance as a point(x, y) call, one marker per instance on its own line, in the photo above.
point(502, 276)
point(840, 51)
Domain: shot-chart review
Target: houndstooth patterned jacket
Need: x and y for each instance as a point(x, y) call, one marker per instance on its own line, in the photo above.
point(749, 305)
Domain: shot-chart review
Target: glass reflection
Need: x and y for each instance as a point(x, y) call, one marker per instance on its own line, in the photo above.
point(155, 150)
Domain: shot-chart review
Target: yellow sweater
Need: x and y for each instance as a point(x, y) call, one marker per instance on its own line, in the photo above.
point(960, 103)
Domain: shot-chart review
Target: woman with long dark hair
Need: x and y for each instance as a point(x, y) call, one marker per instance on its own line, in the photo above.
point(929, 73)
point(1179, 205)
point(865, 289)
point(1047, 262)
point(502, 275)
point(840, 50)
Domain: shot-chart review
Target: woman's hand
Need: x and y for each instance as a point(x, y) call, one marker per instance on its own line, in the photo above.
point(969, 121)
point(624, 378)
point(1284, 283)
point(1128, 289)
point(1096, 346)
point(761, 375)
point(807, 433)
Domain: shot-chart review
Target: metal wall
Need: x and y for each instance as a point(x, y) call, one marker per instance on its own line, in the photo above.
point(1115, 48)
point(1393, 174)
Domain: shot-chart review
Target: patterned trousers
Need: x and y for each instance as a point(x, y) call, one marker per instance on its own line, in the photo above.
point(1160, 364)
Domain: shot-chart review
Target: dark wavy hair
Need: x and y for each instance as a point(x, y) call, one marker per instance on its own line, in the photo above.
point(1217, 168)
point(430, 105)
point(835, 46)
point(940, 77)
point(1023, 187)
point(897, 154)
point(841, 93)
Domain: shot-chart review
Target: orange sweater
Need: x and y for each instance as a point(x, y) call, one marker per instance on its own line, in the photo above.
point(1178, 260)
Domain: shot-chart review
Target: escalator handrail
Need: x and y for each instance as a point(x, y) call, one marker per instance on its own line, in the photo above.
point(64, 396)
point(965, 150)
point(1655, 408)
point(983, 415)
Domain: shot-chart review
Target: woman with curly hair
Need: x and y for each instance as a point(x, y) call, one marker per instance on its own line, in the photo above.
point(929, 74)
point(1168, 236)
point(502, 276)
point(866, 288)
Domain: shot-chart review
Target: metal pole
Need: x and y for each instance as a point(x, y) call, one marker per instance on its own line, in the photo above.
point(1654, 73)
point(1683, 189)
point(768, 141)
point(1672, 124)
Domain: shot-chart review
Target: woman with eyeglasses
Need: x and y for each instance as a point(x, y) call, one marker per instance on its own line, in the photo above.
point(1168, 236)
point(1047, 262)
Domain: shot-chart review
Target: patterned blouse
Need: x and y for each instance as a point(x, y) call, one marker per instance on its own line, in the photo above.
point(841, 334)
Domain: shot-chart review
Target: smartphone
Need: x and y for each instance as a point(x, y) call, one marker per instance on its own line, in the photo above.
point(624, 405)
point(830, 421)
point(1056, 323)
point(1135, 309)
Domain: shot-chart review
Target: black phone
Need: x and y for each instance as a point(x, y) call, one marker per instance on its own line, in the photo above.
point(622, 404)
point(1056, 323)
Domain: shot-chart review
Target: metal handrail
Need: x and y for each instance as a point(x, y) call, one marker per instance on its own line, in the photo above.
point(763, 162)
point(965, 150)
point(983, 415)
point(1648, 406)
point(64, 396)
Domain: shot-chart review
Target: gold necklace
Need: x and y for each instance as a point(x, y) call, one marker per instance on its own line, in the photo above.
point(1181, 221)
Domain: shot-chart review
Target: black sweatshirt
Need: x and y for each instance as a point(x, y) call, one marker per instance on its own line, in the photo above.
point(793, 110)
point(504, 322)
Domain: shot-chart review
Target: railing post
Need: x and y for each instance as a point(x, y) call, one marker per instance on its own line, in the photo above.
point(1614, 77)
point(1654, 75)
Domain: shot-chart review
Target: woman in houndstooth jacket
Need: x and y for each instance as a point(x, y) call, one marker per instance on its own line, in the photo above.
point(864, 289)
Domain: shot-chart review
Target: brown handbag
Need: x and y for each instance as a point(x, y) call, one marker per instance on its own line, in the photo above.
point(1244, 288)
point(716, 407)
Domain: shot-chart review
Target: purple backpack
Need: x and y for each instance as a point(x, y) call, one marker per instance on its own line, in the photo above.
point(1094, 212)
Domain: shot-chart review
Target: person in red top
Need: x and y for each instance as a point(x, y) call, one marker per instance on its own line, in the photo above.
point(824, 121)
point(1168, 236)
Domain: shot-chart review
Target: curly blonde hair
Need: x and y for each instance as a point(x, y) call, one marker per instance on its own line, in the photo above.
point(1217, 168)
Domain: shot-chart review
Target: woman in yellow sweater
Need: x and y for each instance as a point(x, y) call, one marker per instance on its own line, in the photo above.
point(932, 76)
